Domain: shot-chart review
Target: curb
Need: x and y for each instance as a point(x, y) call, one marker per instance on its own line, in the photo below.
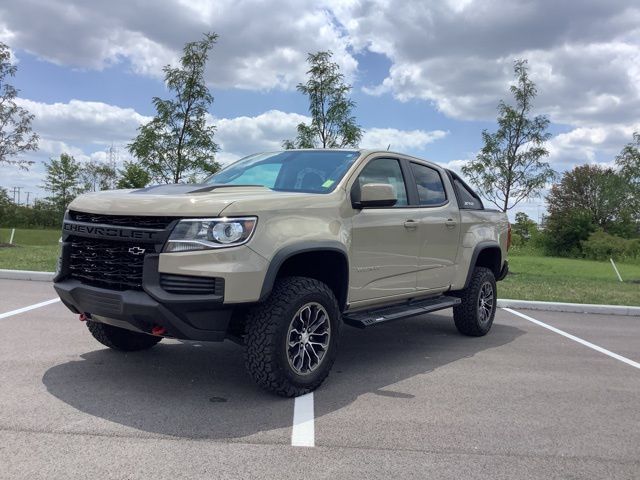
point(502, 303)
point(570, 307)
point(26, 275)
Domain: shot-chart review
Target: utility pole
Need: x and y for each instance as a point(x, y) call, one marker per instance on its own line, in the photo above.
point(28, 193)
point(113, 158)
point(16, 192)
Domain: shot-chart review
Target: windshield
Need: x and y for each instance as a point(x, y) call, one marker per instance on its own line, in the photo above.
point(312, 171)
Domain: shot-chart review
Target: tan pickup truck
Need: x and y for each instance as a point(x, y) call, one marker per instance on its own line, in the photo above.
point(277, 251)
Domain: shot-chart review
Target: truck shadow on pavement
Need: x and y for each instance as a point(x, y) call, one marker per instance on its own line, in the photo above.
point(194, 390)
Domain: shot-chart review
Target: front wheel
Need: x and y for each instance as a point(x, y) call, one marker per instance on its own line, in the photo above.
point(474, 315)
point(292, 338)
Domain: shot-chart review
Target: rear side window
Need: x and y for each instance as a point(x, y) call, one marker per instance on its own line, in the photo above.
point(468, 200)
point(429, 184)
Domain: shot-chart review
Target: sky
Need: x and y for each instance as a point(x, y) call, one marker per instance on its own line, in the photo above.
point(426, 75)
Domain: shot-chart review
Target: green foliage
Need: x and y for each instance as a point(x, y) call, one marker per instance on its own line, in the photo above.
point(133, 176)
point(588, 198)
point(177, 143)
point(510, 166)
point(16, 136)
point(332, 123)
point(600, 191)
point(524, 227)
point(565, 232)
point(40, 215)
point(62, 181)
point(96, 175)
point(602, 246)
point(628, 161)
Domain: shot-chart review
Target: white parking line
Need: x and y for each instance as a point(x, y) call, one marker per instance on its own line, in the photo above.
point(576, 339)
point(303, 432)
point(30, 307)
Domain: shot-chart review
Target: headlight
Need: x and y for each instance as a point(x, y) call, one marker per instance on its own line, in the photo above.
point(203, 233)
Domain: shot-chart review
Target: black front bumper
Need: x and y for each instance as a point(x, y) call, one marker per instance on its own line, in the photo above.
point(188, 317)
point(206, 320)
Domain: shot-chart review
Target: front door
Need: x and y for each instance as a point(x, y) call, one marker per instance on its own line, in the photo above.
point(384, 246)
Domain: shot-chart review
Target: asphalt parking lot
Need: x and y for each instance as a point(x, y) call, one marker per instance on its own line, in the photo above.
point(411, 399)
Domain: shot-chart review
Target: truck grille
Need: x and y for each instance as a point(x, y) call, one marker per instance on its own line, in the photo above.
point(159, 223)
point(107, 263)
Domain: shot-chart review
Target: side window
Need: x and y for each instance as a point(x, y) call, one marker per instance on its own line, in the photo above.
point(467, 199)
point(429, 183)
point(385, 170)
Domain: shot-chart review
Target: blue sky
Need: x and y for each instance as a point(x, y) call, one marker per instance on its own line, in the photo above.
point(426, 77)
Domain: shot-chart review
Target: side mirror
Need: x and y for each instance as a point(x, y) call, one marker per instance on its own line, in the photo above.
point(376, 195)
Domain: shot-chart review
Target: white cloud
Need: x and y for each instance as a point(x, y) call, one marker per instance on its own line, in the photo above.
point(86, 130)
point(597, 144)
point(262, 45)
point(399, 140)
point(82, 121)
point(584, 60)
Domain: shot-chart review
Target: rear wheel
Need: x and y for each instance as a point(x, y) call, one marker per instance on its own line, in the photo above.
point(474, 316)
point(292, 338)
point(121, 339)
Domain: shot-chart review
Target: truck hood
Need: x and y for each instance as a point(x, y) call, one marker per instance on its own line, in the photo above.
point(174, 200)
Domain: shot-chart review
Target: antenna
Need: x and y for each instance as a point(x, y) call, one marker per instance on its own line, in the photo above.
point(388, 147)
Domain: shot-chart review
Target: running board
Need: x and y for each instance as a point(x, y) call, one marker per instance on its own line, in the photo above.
point(368, 318)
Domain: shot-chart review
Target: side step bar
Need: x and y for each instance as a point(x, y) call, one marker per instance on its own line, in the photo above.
point(368, 318)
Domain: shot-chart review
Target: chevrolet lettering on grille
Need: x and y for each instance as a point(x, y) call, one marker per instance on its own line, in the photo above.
point(121, 233)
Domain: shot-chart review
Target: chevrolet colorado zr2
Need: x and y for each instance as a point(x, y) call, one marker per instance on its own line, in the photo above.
point(277, 251)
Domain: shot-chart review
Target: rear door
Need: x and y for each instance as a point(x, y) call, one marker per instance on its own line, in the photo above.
point(385, 240)
point(438, 220)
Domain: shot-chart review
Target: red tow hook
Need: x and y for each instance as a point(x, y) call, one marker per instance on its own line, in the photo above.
point(158, 331)
point(84, 317)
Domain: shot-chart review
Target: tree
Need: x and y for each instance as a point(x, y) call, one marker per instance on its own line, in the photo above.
point(588, 198)
point(332, 123)
point(133, 176)
point(628, 161)
point(177, 142)
point(16, 136)
point(96, 175)
point(524, 227)
point(510, 166)
point(601, 192)
point(62, 181)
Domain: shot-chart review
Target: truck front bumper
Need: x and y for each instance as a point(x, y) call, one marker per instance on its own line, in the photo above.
point(204, 319)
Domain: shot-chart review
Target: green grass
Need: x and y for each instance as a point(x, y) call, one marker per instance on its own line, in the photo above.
point(533, 277)
point(34, 250)
point(33, 257)
point(25, 236)
point(570, 280)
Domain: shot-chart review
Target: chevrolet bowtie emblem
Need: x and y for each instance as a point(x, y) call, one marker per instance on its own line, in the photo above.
point(136, 250)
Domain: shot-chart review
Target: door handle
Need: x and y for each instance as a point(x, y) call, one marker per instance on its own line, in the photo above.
point(450, 223)
point(410, 224)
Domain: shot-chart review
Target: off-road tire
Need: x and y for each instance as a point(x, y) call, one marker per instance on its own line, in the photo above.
point(121, 339)
point(466, 315)
point(267, 325)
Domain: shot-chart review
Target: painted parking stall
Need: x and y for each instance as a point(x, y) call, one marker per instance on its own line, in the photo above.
point(409, 398)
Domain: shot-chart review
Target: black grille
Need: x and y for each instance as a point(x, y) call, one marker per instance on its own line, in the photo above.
point(159, 223)
point(187, 284)
point(107, 263)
